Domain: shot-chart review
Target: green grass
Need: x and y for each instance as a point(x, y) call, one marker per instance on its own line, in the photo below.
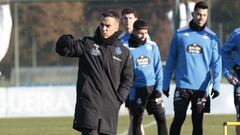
point(37, 126)
point(213, 125)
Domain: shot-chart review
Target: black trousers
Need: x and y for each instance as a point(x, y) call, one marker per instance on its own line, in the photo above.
point(87, 131)
point(182, 98)
point(151, 100)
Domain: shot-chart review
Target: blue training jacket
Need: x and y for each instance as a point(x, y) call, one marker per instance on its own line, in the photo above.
point(124, 37)
point(193, 55)
point(231, 52)
point(147, 66)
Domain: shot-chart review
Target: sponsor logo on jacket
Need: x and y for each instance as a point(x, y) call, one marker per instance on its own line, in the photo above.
point(142, 60)
point(194, 49)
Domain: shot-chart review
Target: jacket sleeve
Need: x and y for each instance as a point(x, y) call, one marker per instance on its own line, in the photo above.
point(158, 69)
point(170, 64)
point(67, 46)
point(126, 80)
point(216, 63)
point(227, 58)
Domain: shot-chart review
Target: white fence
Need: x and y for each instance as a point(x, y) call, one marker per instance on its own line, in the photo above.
point(60, 101)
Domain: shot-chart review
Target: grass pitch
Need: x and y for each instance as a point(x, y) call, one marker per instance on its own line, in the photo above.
point(213, 125)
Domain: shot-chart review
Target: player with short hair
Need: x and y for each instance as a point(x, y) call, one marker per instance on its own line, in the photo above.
point(194, 57)
point(129, 16)
point(147, 86)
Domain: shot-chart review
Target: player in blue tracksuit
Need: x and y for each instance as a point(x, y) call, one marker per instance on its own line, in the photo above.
point(231, 67)
point(193, 56)
point(129, 16)
point(147, 86)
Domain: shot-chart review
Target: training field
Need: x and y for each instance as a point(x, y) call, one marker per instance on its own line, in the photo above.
point(213, 125)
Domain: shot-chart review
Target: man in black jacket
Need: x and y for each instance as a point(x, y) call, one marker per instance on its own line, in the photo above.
point(104, 76)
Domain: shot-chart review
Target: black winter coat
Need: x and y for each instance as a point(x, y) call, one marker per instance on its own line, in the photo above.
point(104, 80)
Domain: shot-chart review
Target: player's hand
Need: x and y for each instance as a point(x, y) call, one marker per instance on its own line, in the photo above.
point(214, 93)
point(166, 92)
point(232, 80)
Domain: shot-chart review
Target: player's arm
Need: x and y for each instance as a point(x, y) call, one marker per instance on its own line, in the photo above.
point(227, 58)
point(216, 63)
point(170, 65)
point(158, 69)
point(67, 46)
point(126, 80)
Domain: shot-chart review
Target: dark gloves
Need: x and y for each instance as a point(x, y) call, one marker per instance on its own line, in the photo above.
point(65, 40)
point(166, 92)
point(214, 93)
point(62, 45)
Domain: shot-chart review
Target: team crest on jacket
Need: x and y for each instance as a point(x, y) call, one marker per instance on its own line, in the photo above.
point(118, 51)
point(95, 50)
point(142, 60)
point(194, 49)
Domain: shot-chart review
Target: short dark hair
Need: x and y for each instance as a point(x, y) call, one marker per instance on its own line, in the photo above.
point(129, 10)
point(201, 5)
point(140, 24)
point(111, 13)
